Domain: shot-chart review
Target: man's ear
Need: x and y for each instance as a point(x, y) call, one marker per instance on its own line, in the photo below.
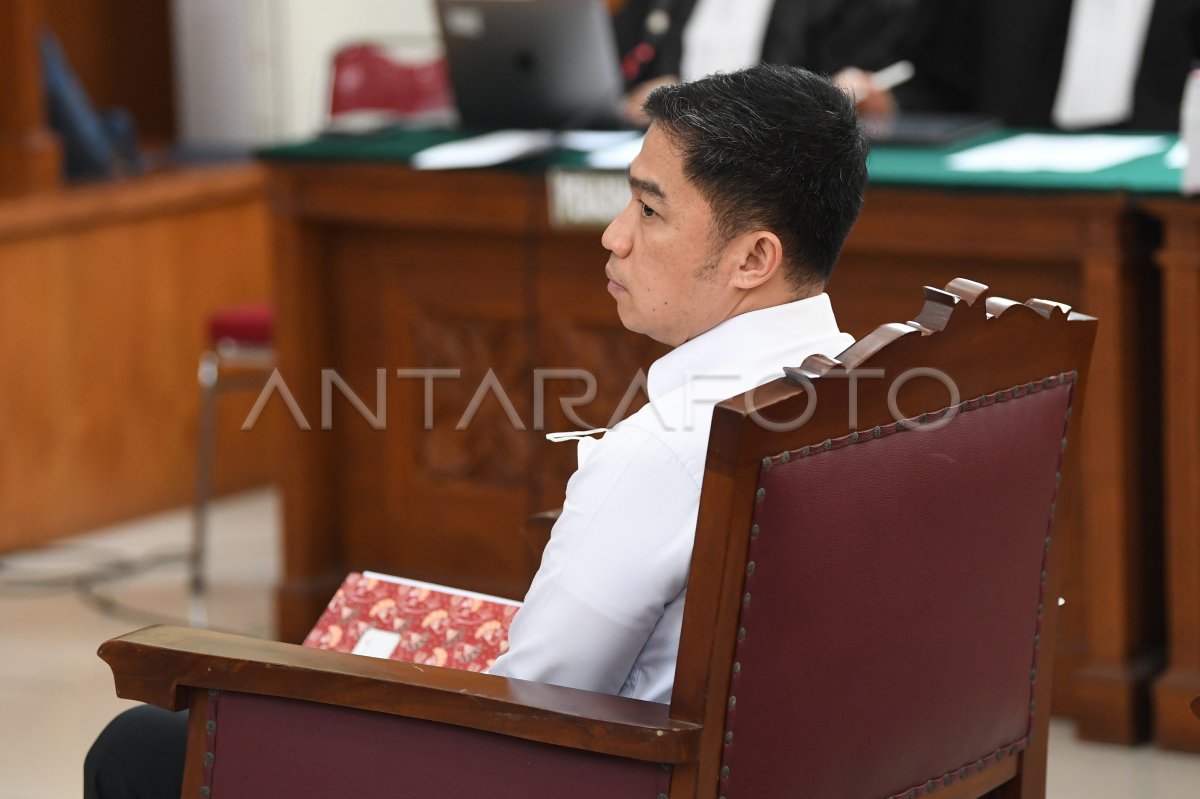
point(760, 258)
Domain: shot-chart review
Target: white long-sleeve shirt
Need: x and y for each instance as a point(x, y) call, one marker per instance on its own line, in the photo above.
point(604, 611)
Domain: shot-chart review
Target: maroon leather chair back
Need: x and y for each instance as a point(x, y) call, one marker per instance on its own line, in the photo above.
point(893, 602)
point(872, 602)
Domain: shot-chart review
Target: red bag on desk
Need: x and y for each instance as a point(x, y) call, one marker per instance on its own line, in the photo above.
point(414, 622)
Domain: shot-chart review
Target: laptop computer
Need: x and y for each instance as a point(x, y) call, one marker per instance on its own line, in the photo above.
point(532, 63)
point(926, 128)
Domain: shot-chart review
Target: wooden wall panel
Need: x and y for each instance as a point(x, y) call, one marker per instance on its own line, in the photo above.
point(29, 153)
point(104, 293)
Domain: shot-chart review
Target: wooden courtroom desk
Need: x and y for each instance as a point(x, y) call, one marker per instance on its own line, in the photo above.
point(380, 267)
point(1179, 262)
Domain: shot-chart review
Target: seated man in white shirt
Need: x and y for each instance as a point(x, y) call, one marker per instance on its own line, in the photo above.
point(745, 189)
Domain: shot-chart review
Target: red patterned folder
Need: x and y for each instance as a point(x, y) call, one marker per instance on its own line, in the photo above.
point(414, 622)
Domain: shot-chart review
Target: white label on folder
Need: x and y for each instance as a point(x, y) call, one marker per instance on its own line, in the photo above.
point(375, 643)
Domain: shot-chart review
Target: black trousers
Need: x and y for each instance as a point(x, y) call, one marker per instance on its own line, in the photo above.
point(139, 755)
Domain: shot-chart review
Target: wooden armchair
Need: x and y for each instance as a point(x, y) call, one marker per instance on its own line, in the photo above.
point(871, 610)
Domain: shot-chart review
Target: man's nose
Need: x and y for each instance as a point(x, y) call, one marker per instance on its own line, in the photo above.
point(616, 238)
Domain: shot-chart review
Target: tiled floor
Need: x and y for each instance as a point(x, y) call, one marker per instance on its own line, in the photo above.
point(55, 694)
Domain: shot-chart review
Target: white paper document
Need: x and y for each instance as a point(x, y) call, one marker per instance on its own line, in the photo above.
point(589, 141)
point(619, 156)
point(1051, 152)
point(1177, 156)
point(489, 149)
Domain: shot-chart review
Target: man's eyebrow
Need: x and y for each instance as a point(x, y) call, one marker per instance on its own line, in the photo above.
point(647, 187)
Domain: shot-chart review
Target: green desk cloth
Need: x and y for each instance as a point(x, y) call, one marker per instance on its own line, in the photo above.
point(887, 165)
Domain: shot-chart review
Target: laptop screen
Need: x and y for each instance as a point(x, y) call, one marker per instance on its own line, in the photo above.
point(532, 63)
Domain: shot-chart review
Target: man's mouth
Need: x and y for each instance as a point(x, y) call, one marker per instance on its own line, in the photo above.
point(613, 285)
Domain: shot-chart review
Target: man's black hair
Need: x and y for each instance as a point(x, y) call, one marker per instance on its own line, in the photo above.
point(776, 148)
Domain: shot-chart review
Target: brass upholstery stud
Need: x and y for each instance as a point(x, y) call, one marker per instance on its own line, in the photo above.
point(1032, 706)
point(877, 432)
point(724, 772)
point(924, 418)
point(205, 791)
point(1033, 675)
point(899, 426)
point(665, 766)
point(729, 737)
point(761, 495)
point(929, 787)
point(1037, 639)
point(1068, 413)
point(208, 758)
point(741, 633)
point(210, 726)
point(766, 464)
point(737, 667)
point(854, 437)
point(732, 702)
point(1043, 576)
point(1047, 542)
point(828, 445)
point(746, 600)
point(1016, 392)
point(750, 567)
point(786, 456)
point(754, 531)
point(213, 692)
point(804, 452)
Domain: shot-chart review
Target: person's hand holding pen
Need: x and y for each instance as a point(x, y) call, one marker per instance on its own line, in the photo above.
point(872, 91)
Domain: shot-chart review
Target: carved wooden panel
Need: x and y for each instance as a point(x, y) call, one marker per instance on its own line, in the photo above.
point(482, 419)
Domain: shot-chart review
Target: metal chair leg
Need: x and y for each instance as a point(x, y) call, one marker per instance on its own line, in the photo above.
point(208, 375)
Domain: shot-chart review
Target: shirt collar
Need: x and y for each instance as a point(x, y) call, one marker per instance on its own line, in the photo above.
point(744, 341)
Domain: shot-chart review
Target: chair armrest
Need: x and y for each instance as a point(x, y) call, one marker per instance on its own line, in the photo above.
point(159, 665)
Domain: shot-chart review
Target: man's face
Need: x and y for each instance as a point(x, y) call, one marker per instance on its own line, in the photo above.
point(665, 265)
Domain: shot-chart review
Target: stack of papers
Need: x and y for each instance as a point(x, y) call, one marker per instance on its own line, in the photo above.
point(489, 149)
point(617, 147)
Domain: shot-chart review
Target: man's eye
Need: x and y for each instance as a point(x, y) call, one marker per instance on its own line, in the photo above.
point(647, 210)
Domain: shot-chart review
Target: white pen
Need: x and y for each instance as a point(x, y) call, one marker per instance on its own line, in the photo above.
point(892, 76)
